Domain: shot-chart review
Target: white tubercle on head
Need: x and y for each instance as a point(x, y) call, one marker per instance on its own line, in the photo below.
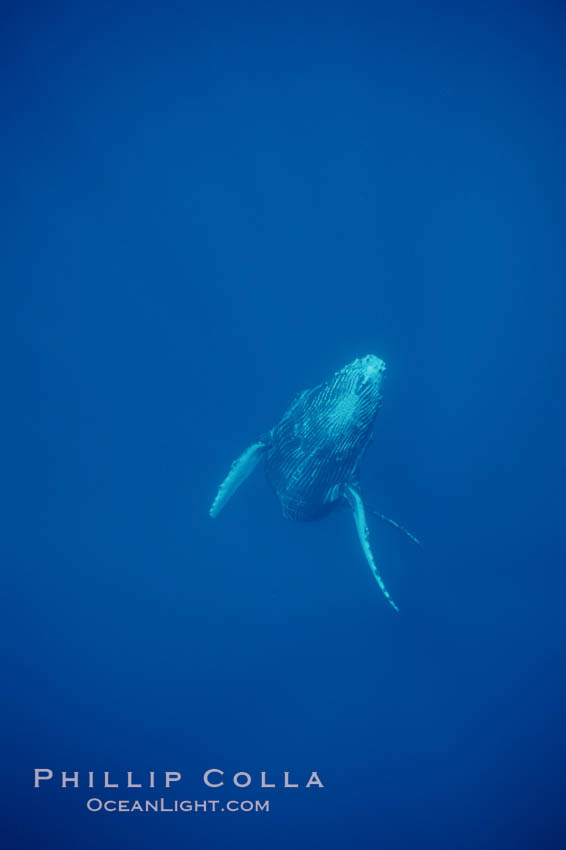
point(372, 368)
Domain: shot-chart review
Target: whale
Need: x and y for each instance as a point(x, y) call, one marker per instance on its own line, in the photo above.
point(312, 457)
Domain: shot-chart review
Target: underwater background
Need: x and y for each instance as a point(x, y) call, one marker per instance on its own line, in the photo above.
point(215, 206)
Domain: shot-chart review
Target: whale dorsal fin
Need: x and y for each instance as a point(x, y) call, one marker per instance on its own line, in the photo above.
point(357, 505)
point(241, 469)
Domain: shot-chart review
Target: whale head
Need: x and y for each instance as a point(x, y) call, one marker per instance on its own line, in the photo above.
point(368, 371)
point(361, 382)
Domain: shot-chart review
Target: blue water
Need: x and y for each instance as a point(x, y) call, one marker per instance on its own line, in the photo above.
point(215, 207)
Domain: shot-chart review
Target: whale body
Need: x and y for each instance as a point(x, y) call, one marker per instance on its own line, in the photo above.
point(312, 456)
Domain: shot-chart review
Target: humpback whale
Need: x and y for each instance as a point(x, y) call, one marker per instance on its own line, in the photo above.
point(312, 456)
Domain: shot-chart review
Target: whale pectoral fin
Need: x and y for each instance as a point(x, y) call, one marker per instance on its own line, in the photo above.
point(241, 469)
point(396, 525)
point(358, 510)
